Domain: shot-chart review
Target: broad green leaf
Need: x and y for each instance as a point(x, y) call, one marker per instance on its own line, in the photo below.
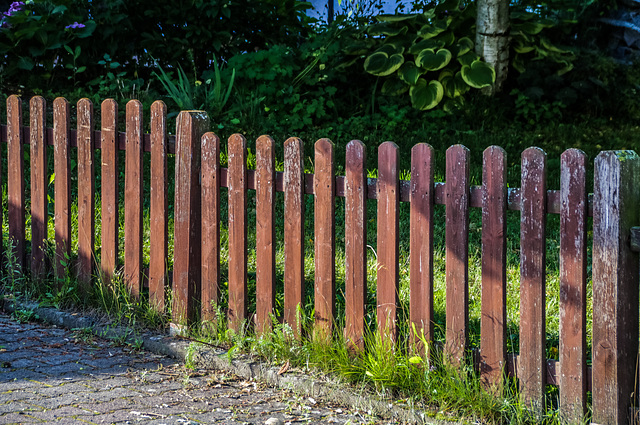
point(529, 27)
point(25, 63)
point(463, 46)
point(433, 61)
point(521, 48)
point(381, 64)
point(390, 49)
point(409, 73)
point(396, 18)
point(386, 29)
point(59, 9)
point(394, 87)
point(447, 37)
point(431, 30)
point(478, 75)
point(415, 360)
point(461, 86)
point(468, 58)
point(547, 45)
point(426, 95)
point(429, 43)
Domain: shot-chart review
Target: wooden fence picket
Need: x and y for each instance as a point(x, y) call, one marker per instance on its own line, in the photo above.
point(62, 185)
point(109, 213)
point(293, 232)
point(210, 226)
point(15, 179)
point(86, 192)
point(355, 241)
point(457, 252)
point(532, 367)
point(573, 285)
point(158, 208)
point(421, 246)
point(388, 240)
point(133, 199)
point(39, 181)
point(237, 183)
point(265, 233)
point(493, 320)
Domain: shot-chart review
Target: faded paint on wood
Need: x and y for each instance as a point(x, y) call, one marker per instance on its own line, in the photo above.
point(615, 286)
point(39, 182)
point(573, 286)
point(355, 243)
point(293, 232)
point(187, 259)
point(86, 192)
point(421, 247)
point(265, 233)
point(133, 199)
point(15, 179)
point(158, 208)
point(532, 373)
point(457, 252)
point(237, 160)
point(388, 240)
point(324, 234)
point(62, 185)
point(210, 227)
point(493, 319)
point(109, 188)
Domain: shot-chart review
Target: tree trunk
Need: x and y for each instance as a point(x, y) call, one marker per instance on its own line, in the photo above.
point(492, 38)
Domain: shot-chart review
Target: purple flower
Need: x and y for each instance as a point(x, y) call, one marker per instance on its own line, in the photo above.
point(75, 25)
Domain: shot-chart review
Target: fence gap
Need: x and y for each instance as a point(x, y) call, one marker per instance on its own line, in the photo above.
point(237, 181)
point(532, 365)
point(355, 241)
point(493, 320)
point(615, 285)
point(62, 186)
point(158, 208)
point(293, 232)
point(109, 189)
point(457, 252)
point(265, 233)
point(86, 193)
point(15, 179)
point(39, 180)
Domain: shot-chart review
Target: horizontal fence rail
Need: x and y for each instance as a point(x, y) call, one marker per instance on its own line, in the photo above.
point(195, 282)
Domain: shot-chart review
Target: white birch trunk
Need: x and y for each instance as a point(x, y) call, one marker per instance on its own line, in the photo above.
point(492, 38)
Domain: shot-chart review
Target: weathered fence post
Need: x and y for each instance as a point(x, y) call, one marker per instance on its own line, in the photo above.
point(15, 178)
point(39, 180)
point(615, 285)
point(191, 126)
point(86, 193)
point(109, 191)
point(62, 185)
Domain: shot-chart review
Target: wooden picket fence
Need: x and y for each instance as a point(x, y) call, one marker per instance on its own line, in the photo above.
point(615, 208)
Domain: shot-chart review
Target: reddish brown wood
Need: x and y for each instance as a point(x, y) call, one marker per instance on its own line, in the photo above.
point(493, 320)
point(457, 252)
point(265, 233)
point(187, 258)
point(39, 181)
point(355, 243)
point(15, 180)
point(159, 205)
point(86, 192)
point(109, 190)
point(293, 232)
point(388, 241)
point(210, 226)
point(324, 231)
point(532, 279)
point(237, 147)
point(615, 286)
point(133, 199)
point(62, 184)
point(421, 246)
point(573, 285)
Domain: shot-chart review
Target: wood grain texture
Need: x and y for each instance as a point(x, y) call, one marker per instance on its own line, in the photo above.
point(15, 179)
point(573, 285)
point(615, 286)
point(159, 208)
point(457, 253)
point(388, 240)
point(109, 189)
point(493, 319)
point(355, 242)
point(187, 258)
point(210, 226)
point(293, 232)
point(62, 185)
point(533, 279)
point(86, 192)
point(39, 182)
point(237, 148)
point(324, 239)
point(421, 247)
point(265, 233)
